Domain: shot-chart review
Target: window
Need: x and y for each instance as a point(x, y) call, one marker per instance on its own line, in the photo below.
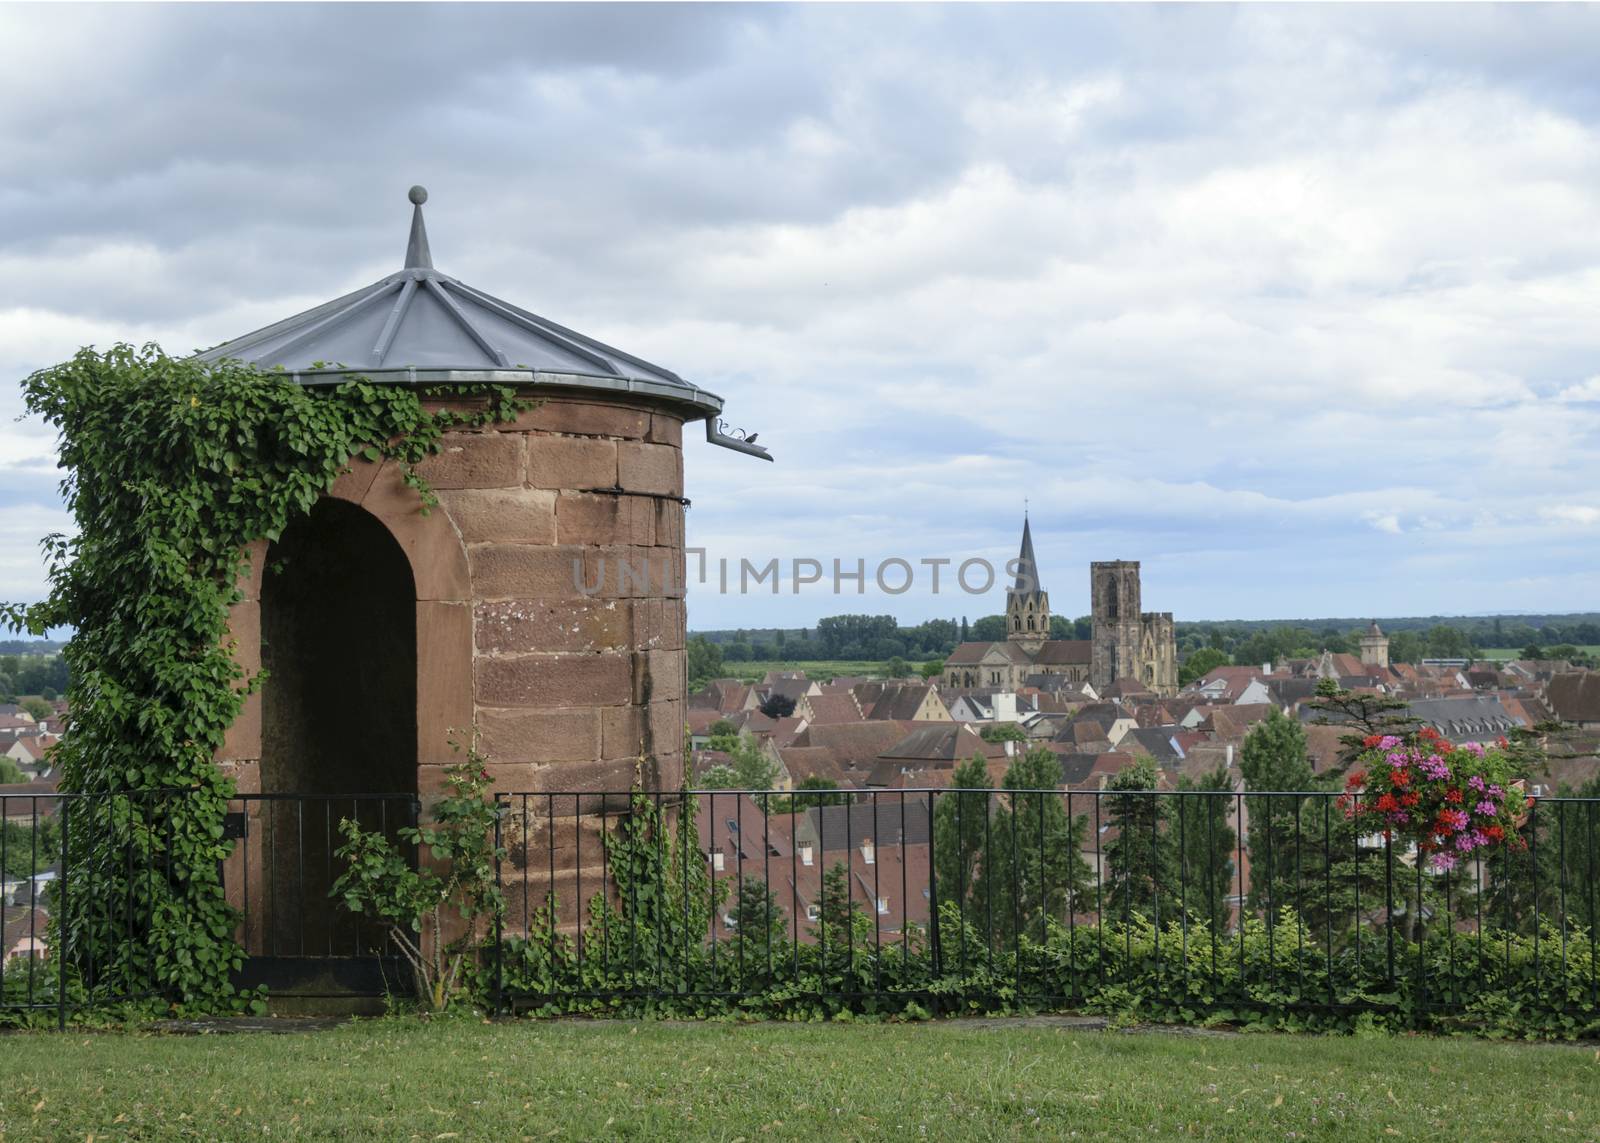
point(869, 852)
point(805, 855)
point(883, 905)
point(717, 860)
point(730, 921)
point(813, 913)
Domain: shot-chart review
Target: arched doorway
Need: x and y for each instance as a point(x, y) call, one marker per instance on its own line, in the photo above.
point(338, 727)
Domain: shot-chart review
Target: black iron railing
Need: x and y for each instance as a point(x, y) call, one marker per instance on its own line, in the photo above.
point(960, 899)
point(297, 940)
point(1188, 903)
point(64, 901)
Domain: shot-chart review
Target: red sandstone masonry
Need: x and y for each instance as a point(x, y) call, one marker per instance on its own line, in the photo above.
point(529, 571)
point(583, 419)
point(517, 735)
point(554, 680)
point(651, 468)
point(598, 519)
point(502, 515)
point(666, 429)
point(519, 626)
point(572, 462)
point(475, 460)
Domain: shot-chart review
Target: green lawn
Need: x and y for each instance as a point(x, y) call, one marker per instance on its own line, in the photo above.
point(402, 1079)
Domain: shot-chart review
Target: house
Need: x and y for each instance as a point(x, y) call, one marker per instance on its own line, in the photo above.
point(988, 706)
point(902, 701)
point(855, 746)
point(1575, 697)
point(1232, 685)
point(23, 932)
point(1475, 718)
point(830, 707)
point(933, 753)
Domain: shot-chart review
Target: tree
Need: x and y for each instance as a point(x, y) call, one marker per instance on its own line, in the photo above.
point(1533, 651)
point(1273, 758)
point(777, 705)
point(1042, 858)
point(1206, 845)
point(1141, 859)
point(966, 631)
point(895, 668)
point(813, 791)
point(758, 926)
point(933, 668)
point(10, 773)
point(38, 708)
point(1199, 664)
point(960, 818)
point(749, 767)
point(704, 662)
point(989, 629)
point(837, 911)
point(1003, 732)
point(723, 728)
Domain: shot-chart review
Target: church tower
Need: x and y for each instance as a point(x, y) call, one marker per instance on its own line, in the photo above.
point(1027, 603)
point(1375, 647)
point(1118, 638)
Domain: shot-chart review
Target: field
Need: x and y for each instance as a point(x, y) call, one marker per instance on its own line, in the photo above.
point(462, 1079)
point(820, 670)
point(1503, 653)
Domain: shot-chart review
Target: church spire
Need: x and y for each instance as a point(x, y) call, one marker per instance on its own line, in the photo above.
point(1027, 566)
point(1027, 604)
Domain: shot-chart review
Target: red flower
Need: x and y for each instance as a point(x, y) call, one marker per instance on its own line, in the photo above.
point(1371, 740)
point(1494, 832)
point(1401, 777)
point(1453, 796)
point(1428, 732)
point(1387, 804)
point(1410, 799)
point(1355, 779)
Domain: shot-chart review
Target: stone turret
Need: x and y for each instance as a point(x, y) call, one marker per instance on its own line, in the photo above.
point(1375, 646)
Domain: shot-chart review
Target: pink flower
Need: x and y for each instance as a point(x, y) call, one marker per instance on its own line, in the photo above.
point(1473, 748)
point(1476, 783)
point(1388, 742)
point(1444, 862)
point(1486, 808)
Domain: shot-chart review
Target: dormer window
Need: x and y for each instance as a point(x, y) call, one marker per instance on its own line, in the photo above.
point(869, 852)
point(718, 861)
point(805, 855)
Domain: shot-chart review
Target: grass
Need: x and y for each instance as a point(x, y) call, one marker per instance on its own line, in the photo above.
point(460, 1079)
point(820, 670)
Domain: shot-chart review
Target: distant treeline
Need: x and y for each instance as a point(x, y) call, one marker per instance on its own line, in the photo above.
point(32, 674)
point(1411, 638)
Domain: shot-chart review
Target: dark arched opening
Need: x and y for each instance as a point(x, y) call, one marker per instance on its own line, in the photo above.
point(339, 723)
point(339, 644)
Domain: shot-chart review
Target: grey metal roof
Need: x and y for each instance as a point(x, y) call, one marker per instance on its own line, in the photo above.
point(418, 326)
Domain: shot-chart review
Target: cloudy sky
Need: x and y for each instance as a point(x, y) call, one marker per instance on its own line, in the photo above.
point(1298, 306)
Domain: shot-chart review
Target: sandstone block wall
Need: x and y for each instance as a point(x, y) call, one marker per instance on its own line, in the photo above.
point(550, 606)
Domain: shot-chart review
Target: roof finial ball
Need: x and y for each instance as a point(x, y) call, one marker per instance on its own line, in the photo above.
point(418, 195)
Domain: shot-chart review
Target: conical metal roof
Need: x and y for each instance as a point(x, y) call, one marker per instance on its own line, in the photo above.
point(419, 326)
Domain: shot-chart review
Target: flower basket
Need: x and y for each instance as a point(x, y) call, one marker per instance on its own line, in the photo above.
point(1452, 802)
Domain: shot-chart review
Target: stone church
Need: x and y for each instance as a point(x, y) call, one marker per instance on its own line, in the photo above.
point(1126, 643)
